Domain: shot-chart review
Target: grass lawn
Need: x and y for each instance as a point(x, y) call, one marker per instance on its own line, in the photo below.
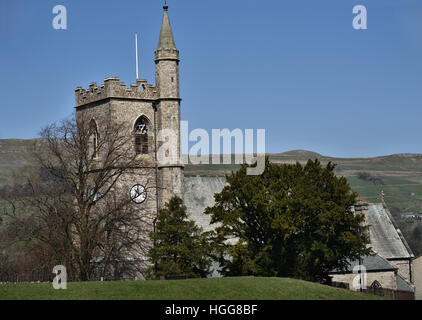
point(241, 288)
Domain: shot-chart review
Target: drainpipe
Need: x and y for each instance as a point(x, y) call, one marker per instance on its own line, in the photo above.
point(156, 163)
point(154, 105)
point(410, 270)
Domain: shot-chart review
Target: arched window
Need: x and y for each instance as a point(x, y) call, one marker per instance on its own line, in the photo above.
point(141, 129)
point(94, 137)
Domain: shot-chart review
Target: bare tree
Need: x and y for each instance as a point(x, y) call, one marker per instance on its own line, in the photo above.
point(74, 205)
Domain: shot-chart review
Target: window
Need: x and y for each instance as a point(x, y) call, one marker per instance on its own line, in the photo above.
point(94, 138)
point(141, 135)
point(376, 285)
point(141, 143)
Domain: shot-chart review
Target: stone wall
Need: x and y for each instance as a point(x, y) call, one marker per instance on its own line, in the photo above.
point(404, 268)
point(168, 123)
point(386, 279)
point(125, 112)
point(113, 88)
point(118, 104)
point(417, 273)
point(167, 78)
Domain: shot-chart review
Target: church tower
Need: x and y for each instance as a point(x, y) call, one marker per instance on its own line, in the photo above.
point(151, 121)
point(168, 113)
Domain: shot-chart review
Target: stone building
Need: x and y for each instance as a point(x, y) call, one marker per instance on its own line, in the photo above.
point(387, 239)
point(392, 266)
point(379, 273)
point(150, 116)
point(417, 277)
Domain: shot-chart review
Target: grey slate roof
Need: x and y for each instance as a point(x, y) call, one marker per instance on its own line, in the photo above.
point(403, 285)
point(371, 263)
point(385, 239)
point(199, 194)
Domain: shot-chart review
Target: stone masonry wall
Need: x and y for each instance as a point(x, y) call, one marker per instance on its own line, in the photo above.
point(386, 279)
point(404, 269)
point(167, 78)
point(125, 111)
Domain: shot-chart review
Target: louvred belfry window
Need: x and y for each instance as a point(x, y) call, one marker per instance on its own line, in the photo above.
point(94, 137)
point(141, 135)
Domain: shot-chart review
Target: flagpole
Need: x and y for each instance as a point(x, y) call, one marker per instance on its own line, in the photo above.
point(136, 48)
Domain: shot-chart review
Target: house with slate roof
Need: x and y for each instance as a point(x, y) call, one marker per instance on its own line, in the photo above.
point(391, 266)
point(377, 272)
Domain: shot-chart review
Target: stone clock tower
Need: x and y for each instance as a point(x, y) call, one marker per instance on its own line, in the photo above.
point(151, 118)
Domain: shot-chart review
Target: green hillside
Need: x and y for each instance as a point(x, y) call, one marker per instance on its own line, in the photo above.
point(16, 156)
point(242, 288)
point(399, 176)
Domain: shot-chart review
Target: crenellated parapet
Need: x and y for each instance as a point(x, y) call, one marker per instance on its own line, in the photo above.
point(166, 54)
point(113, 88)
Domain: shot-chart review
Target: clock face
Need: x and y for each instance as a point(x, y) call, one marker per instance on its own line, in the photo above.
point(138, 193)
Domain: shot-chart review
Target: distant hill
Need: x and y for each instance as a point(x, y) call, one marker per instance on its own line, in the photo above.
point(16, 156)
point(398, 175)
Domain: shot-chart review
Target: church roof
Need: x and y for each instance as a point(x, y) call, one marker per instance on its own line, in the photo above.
point(386, 239)
point(371, 263)
point(166, 40)
point(403, 285)
point(199, 194)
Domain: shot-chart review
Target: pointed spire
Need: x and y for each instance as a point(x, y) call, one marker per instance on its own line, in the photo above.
point(166, 40)
point(166, 46)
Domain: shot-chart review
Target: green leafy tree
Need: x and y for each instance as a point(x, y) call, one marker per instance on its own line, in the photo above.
point(292, 220)
point(179, 246)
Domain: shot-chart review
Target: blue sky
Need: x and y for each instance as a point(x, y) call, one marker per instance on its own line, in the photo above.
point(295, 68)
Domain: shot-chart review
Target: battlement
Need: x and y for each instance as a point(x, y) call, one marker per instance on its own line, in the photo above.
point(166, 54)
point(113, 88)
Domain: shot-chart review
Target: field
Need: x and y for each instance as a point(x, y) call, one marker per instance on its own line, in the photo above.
point(242, 288)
